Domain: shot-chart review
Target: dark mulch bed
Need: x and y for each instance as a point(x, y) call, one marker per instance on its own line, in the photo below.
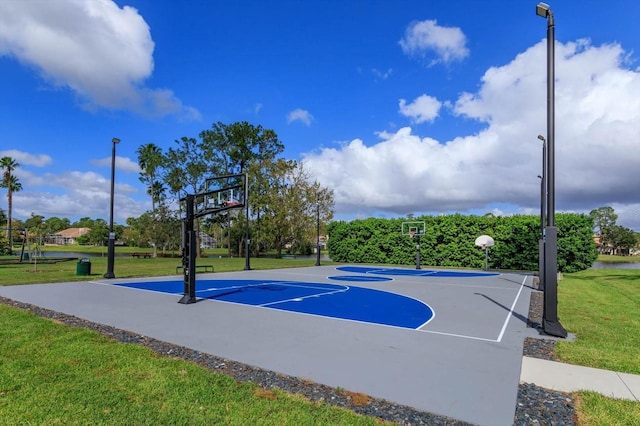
point(535, 405)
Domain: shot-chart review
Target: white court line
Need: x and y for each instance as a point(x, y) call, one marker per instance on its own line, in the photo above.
point(506, 321)
point(282, 283)
point(340, 289)
point(484, 339)
point(299, 299)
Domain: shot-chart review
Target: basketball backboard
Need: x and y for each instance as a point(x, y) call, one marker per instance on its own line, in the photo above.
point(412, 229)
point(222, 193)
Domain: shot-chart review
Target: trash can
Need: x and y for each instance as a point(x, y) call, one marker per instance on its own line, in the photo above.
point(83, 267)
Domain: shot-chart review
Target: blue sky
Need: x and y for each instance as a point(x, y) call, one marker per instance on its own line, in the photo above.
point(398, 106)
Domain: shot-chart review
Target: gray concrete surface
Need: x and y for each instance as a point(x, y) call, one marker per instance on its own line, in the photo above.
point(466, 363)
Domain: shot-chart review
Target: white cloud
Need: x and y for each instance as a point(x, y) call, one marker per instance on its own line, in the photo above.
point(300, 115)
point(382, 75)
point(423, 108)
point(597, 126)
point(427, 38)
point(27, 159)
point(86, 194)
point(122, 163)
point(100, 51)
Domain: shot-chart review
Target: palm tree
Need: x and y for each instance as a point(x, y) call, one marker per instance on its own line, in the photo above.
point(157, 192)
point(13, 186)
point(10, 182)
point(150, 158)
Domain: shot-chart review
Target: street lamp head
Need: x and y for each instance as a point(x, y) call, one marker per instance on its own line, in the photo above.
point(542, 138)
point(115, 140)
point(542, 9)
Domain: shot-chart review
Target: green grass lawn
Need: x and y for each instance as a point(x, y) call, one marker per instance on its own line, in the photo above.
point(93, 380)
point(602, 308)
point(618, 259)
point(130, 267)
point(55, 374)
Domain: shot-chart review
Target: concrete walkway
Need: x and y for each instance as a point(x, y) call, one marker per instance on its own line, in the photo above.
point(571, 378)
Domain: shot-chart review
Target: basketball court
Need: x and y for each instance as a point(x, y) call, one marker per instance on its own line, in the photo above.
point(443, 341)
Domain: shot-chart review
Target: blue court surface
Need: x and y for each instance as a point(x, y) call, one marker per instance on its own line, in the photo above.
point(414, 272)
point(329, 300)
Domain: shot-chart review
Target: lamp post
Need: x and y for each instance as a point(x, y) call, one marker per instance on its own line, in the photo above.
point(543, 186)
point(550, 323)
point(543, 213)
point(247, 262)
point(317, 232)
point(112, 236)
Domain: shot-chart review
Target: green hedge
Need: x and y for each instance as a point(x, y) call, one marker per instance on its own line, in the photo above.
point(449, 241)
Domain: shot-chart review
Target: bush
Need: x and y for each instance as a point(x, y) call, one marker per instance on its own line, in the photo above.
point(449, 241)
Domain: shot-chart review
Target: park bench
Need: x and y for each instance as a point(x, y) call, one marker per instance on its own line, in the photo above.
point(144, 255)
point(204, 268)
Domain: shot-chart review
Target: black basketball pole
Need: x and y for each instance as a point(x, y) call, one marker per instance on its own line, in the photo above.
point(317, 231)
point(189, 253)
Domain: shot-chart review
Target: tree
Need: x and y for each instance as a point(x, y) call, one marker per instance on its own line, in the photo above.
point(4, 243)
point(150, 159)
point(55, 224)
point(604, 219)
point(286, 203)
point(233, 147)
point(622, 239)
point(270, 202)
point(10, 182)
point(83, 222)
point(187, 171)
point(99, 232)
point(222, 150)
point(36, 226)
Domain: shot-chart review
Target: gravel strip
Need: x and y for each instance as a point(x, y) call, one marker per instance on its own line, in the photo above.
point(535, 405)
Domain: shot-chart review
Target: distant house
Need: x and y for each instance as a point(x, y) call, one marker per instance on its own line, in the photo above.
point(67, 236)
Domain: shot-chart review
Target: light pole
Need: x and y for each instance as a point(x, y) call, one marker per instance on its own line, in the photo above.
point(543, 213)
point(317, 232)
point(543, 185)
point(112, 236)
point(550, 323)
point(247, 262)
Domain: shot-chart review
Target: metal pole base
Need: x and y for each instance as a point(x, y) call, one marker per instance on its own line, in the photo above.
point(550, 322)
point(554, 328)
point(186, 300)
